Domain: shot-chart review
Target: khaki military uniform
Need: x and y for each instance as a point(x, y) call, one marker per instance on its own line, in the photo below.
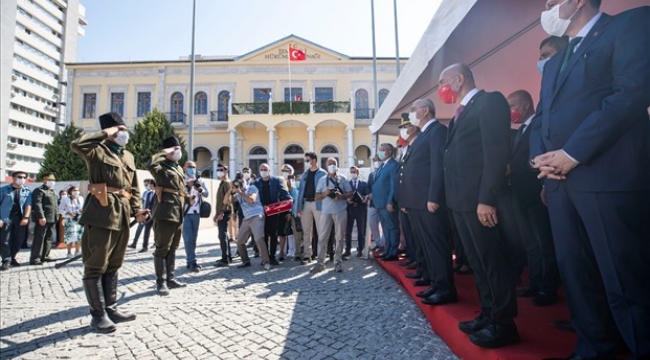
point(44, 206)
point(106, 227)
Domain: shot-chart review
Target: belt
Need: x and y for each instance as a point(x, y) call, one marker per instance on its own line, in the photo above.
point(120, 192)
point(310, 199)
point(174, 191)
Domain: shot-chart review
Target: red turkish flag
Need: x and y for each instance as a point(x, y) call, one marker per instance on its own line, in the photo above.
point(296, 54)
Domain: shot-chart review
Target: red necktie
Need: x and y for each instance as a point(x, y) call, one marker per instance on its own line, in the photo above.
point(459, 110)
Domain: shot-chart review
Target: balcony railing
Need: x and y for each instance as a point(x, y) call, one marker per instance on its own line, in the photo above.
point(250, 108)
point(176, 117)
point(329, 107)
point(219, 115)
point(293, 107)
point(364, 113)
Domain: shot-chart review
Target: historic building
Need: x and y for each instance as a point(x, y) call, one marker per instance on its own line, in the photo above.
point(249, 109)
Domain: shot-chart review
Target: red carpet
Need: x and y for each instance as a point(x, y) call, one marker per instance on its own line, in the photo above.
point(539, 339)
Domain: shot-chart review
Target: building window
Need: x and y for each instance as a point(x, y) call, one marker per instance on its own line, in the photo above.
point(261, 95)
point(222, 114)
point(383, 93)
point(361, 110)
point(256, 157)
point(324, 96)
point(328, 151)
point(117, 103)
point(144, 103)
point(201, 103)
point(90, 105)
point(176, 113)
point(293, 94)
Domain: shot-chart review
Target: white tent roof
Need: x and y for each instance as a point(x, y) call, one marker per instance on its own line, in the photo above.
point(498, 39)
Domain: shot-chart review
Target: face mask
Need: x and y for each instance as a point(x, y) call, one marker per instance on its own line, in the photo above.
point(147, 187)
point(515, 116)
point(446, 94)
point(293, 183)
point(540, 65)
point(414, 119)
point(177, 155)
point(20, 181)
point(377, 164)
point(191, 171)
point(296, 183)
point(75, 193)
point(220, 174)
point(404, 133)
point(285, 174)
point(332, 169)
point(354, 176)
point(50, 183)
point(552, 23)
point(264, 174)
point(247, 176)
point(122, 138)
point(381, 154)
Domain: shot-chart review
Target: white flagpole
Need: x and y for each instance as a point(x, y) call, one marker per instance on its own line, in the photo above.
point(290, 98)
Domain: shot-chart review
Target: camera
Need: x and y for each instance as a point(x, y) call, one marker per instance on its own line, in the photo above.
point(236, 184)
point(197, 185)
point(334, 193)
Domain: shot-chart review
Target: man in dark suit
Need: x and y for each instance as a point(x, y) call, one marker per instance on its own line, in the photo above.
point(409, 133)
point(530, 211)
point(357, 211)
point(592, 146)
point(478, 148)
point(383, 191)
point(422, 194)
point(271, 191)
point(45, 212)
point(373, 215)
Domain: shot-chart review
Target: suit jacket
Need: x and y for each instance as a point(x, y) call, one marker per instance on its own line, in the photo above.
point(596, 109)
point(169, 176)
point(422, 169)
point(383, 186)
point(478, 149)
point(371, 181)
point(104, 166)
point(303, 182)
point(363, 189)
point(45, 204)
point(277, 189)
point(524, 183)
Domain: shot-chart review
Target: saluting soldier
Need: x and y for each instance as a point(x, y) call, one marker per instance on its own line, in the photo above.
point(45, 212)
point(113, 198)
point(168, 211)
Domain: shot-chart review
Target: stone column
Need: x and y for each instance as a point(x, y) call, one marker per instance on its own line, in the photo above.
point(311, 131)
point(271, 159)
point(231, 153)
point(240, 152)
point(350, 147)
point(215, 165)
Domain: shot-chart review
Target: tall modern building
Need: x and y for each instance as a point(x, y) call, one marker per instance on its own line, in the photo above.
point(38, 38)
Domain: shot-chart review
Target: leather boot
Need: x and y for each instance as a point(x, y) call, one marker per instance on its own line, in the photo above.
point(171, 266)
point(109, 284)
point(159, 266)
point(100, 322)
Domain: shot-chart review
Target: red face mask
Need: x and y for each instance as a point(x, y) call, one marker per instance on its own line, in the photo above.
point(447, 95)
point(515, 116)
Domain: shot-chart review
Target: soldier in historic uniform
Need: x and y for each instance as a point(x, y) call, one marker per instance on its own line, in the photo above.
point(45, 212)
point(168, 211)
point(112, 200)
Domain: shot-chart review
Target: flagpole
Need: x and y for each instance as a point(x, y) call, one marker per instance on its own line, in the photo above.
point(396, 38)
point(289, 61)
point(191, 122)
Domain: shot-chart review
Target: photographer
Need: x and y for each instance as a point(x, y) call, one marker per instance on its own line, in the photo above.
point(197, 190)
point(223, 213)
point(334, 190)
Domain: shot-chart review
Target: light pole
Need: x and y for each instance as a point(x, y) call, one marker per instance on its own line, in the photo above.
point(191, 117)
point(396, 38)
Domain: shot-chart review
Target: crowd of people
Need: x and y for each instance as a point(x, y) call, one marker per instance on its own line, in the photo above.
point(563, 187)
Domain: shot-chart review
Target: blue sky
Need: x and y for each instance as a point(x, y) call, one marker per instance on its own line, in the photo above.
point(121, 30)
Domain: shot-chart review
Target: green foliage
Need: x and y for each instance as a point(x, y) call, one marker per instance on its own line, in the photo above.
point(294, 107)
point(148, 135)
point(59, 158)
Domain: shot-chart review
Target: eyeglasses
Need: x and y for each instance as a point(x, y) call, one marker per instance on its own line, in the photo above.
point(21, 177)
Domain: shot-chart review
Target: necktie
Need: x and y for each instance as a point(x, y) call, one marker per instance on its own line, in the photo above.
point(459, 110)
point(355, 184)
point(569, 51)
point(379, 170)
point(520, 132)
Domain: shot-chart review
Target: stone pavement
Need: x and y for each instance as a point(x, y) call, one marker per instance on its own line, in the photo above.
point(223, 313)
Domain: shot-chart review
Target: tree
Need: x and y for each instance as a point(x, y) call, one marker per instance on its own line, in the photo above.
point(59, 158)
point(147, 136)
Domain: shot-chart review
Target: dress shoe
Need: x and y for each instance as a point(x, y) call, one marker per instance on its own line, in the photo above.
point(35, 262)
point(544, 299)
point(305, 261)
point(415, 275)
point(390, 258)
point(5, 265)
point(378, 255)
point(347, 253)
point(463, 270)
point(406, 262)
point(194, 267)
point(132, 246)
point(421, 282)
point(143, 250)
point(244, 265)
point(495, 335)
point(564, 325)
point(221, 263)
point(48, 259)
point(359, 254)
point(256, 255)
point(472, 326)
point(412, 266)
point(440, 299)
point(526, 292)
point(426, 293)
point(15, 262)
point(274, 262)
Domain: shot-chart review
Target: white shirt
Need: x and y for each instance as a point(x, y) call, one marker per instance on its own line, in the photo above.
point(429, 123)
point(586, 29)
point(527, 122)
point(68, 205)
point(469, 96)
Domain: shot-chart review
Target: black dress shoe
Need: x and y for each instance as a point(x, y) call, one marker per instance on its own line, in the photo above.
point(415, 275)
point(412, 266)
point(48, 259)
point(347, 253)
point(526, 292)
point(221, 263)
point(426, 293)
point(132, 246)
point(564, 325)
point(143, 250)
point(421, 282)
point(35, 262)
point(274, 262)
point(256, 255)
point(406, 262)
point(440, 299)
point(390, 258)
point(378, 255)
point(543, 299)
point(495, 335)
point(15, 262)
point(246, 264)
point(472, 326)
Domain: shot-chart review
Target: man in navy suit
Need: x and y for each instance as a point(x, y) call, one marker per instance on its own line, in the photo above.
point(383, 191)
point(357, 212)
point(592, 146)
point(422, 194)
point(271, 191)
point(476, 189)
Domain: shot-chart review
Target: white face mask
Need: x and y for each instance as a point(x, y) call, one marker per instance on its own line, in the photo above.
point(247, 175)
point(285, 175)
point(50, 183)
point(220, 174)
point(264, 174)
point(293, 183)
point(20, 181)
point(540, 65)
point(354, 176)
point(75, 193)
point(177, 155)
point(414, 119)
point(404, 133)
point(332, 169)
point(552, 23)
point(377, 164)
point(122, 138)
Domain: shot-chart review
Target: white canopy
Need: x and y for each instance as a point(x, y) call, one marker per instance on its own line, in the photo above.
point(498, 39)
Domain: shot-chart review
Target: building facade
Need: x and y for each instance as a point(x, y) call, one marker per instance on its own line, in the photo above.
point(38, 38)
point(248, 110)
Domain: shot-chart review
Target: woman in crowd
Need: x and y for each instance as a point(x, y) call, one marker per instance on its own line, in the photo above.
point(70, 207)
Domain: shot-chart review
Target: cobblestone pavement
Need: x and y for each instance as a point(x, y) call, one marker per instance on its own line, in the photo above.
point(223, 313)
